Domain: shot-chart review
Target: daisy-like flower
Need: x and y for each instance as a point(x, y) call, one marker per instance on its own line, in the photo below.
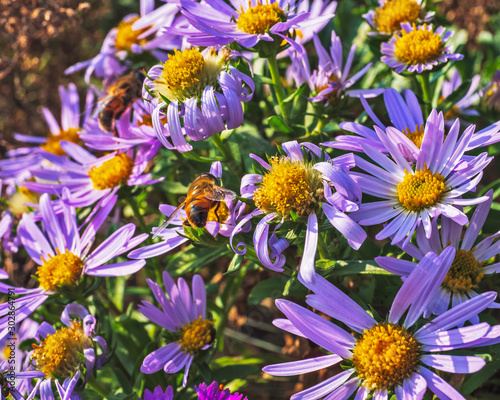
point(214, 391)
point(159, 394)
point(183, 316)
point(69, 355)
point(173, 90)
point(390, 357)
point(297, 186)
point(247, 22)
point(91, 179)
point(20, 160)
point(128, 39)
point(330, 81)
point(13, 382)
point(418, 49)
point(222, 220)
point(387, 19)
point(409, 129)
point(491, 93)
point(64, 255)
point(416, 194)
point(467, 269)
point(462, 106)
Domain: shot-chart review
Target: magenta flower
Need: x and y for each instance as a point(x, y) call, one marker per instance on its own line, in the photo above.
point(64, 254)
point(216, 392)
point(308, 188)
point(159, 394)
point(379, 357)
point(184, 316)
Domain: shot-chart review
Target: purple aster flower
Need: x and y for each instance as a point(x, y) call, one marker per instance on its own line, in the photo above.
point(64, 254)
point(221, 221)
point(410, 132)
point(418, 48)
point(198, 94)
point(391, 356)
point(90, 179)
point(330, 81)
point(491, 93)
point(468, 267)
point(159, 394)
point(462, 106)
point(387, 19)
point(134, 35)
point(248, 23)
point(183, 316)
point(69, 354)
point(417, 194)
point(13, 381)
point(24, 158)
point(297, 186)
point(216, 392)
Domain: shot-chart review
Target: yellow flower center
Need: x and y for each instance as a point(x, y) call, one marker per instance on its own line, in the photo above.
point(59, 354)
point(53, 145)
point(195, 335)
point(465, 273)
point(7, 351)
point(415, 136)
point(385, 356)
point(62, 269)
point(287, 187)
point(112, 172)
point(420, 190)
point(260, 18)
point(17, 202)
point(389, 17)
point(126, 37)
point(186, 74)
point(418, 46)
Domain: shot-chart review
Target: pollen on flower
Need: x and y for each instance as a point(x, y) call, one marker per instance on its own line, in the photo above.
point(465, 273)
point(53, 144)
point(385, 356)
point(126, 37)
point(59, 354)
point(418, 46)
point(415, 136)
point(389, 17)
point(186, 74)
point(219, 212)
point(285, 188)
point(62, 269)
point(112, 172)
point(196, 335)
point(259, 18)
point(420, 190)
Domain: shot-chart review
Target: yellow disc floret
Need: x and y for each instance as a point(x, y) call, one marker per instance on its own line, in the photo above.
point(415, 136)
point(388, 18)
point(195, 335)
point(385, 356)
point(62, 269)
point(59, 354)
point(260, 18)
point(53, 144)
point(288, 186)
point(420, 190)
point(126, 37)
point(465, 273)
point(112, 172)
point(186, 74)
point(418, 46)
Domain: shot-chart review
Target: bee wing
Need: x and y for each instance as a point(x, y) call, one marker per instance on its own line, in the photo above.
point(166, 223)
point(219, 193)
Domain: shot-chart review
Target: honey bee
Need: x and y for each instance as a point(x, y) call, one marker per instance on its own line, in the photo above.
point(121, 95)
point(204, 195)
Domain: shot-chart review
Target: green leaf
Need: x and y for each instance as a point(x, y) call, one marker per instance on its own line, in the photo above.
point(339, 267)
point(235, 264)
point(480, 377)
point(277, 123)
point(272, 287)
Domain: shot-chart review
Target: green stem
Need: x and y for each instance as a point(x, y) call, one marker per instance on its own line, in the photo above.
point(278, 86)
point(318, 128)
point(424, 80)
point(137, 214)
point(96, 387)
